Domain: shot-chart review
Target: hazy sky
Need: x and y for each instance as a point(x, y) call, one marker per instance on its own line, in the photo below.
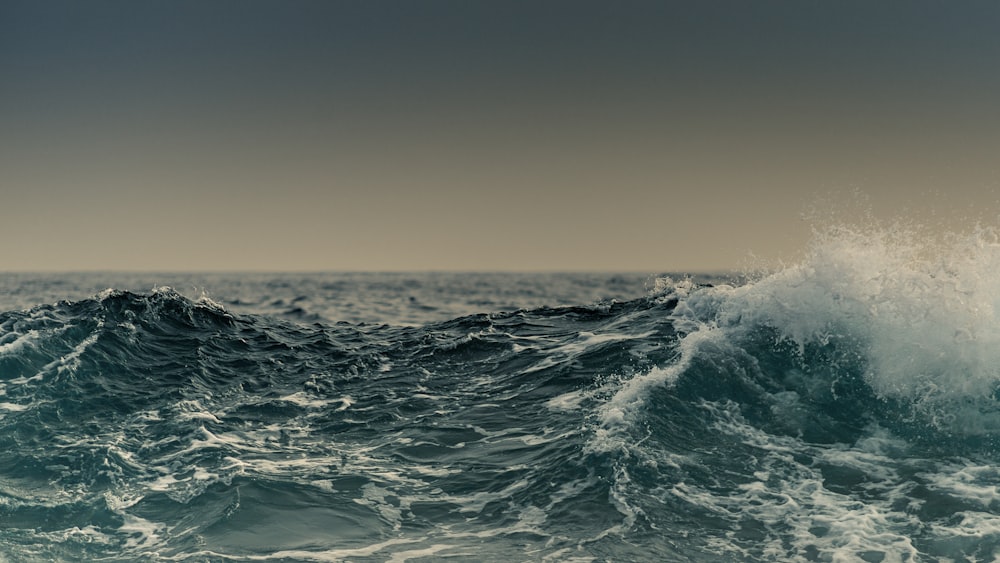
point(475, 135)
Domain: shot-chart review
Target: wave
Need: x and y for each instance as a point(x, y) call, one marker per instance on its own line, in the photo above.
point(880, 316)
point(845, 406)
point(153, 426)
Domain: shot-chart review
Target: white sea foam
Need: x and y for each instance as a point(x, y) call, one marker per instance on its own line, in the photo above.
point(71, 361)
point(575, 346)
point(799, 515)
point(925, 310)
point(141, 534)
point(972, 483)
point(918, 311)
point(12, 342)
point(326, 555)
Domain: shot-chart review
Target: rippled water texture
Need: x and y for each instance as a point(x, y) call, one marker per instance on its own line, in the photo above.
point(844, 408)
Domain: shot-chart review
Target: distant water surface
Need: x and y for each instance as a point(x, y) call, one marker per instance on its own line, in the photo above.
point(393, 298)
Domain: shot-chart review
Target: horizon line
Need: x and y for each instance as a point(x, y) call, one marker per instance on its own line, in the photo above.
point(676, 272)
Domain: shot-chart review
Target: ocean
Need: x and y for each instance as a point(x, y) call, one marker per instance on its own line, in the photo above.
point(845, 407)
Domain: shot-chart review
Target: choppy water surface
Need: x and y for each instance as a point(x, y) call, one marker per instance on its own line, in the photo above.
point(844, 408)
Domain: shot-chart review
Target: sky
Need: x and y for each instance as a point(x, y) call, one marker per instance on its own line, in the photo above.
point(417, 135)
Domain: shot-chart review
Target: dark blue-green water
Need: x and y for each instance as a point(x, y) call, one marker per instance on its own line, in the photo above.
point(802, 416)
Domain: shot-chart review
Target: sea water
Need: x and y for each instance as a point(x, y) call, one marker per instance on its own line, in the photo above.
point(842, 408)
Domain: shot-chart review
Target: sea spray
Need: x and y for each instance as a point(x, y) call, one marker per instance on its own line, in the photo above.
point(916, 315)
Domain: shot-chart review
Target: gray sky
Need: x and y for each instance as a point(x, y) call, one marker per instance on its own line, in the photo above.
point(456, 135)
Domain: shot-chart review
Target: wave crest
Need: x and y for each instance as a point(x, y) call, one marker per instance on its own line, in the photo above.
point(909, 315)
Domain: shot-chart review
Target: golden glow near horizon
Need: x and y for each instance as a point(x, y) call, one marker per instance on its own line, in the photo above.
point(493, 136)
